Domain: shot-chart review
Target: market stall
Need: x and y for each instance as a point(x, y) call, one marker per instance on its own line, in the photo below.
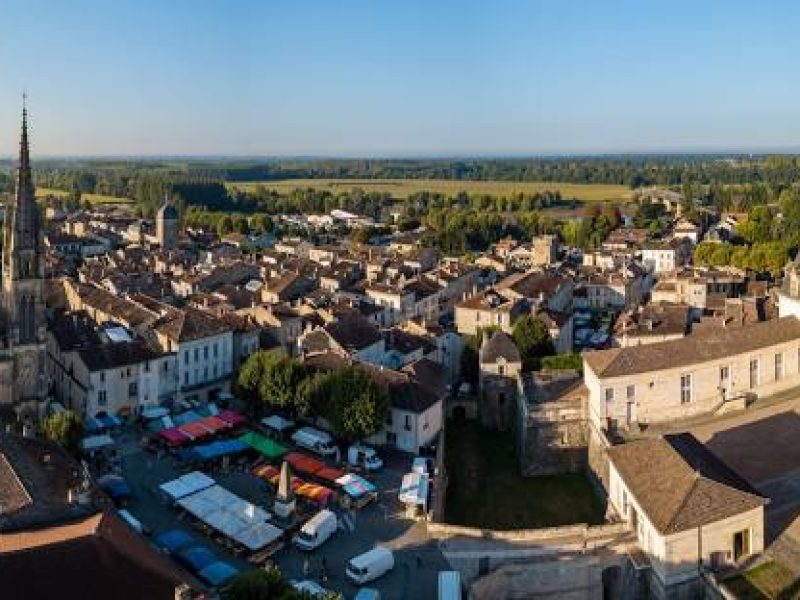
point(318, 494)
point(414, 492)
point(186, 485)
point(358, 492)
point(268, 448)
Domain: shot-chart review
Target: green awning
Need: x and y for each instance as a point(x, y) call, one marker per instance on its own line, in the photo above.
point(269, 448)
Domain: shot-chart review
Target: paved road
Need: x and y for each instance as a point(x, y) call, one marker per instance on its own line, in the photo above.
point(417, 558)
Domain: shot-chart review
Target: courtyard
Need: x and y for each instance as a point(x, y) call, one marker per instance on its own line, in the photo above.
point(486, 490)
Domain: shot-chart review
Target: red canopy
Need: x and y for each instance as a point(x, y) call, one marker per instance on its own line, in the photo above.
point(329, 474)
point(194, 430)
point(316, 493)
point(232, 417)
point(214, 424)
point(173, 436)
point(304, 463)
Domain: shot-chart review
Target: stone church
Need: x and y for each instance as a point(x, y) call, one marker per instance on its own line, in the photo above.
point(22, 324)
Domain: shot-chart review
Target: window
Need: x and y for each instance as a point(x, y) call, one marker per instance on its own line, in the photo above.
point(753, 372)
point(216, 349)
point(186, 378)
point(609, 395)
point(196, 354)
point(724, 375)
point(186, 357)
point(147, 366)
point(408, 423)
point(205, 373)
point(501, 369)
point(205, 352)
point(778, 366)
point(630, 393)
point(215, 371)
point(132, 389)
point(102, 376)
point(686, 389)
point(102, 399)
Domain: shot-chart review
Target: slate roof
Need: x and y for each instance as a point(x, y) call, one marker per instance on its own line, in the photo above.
point(680, 484)
point(618, 362)
point(499, 345)
point(354, 332)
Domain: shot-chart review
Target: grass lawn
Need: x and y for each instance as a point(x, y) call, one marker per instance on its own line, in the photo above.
point(770, 580)
point(400, 188)
point(486, 490)
point(92, 198)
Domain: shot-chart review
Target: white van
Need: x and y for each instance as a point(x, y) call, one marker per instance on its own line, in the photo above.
point(316, 530)
point(370, 565)
point(449, 585)
point(364, 456)
point(315, 440)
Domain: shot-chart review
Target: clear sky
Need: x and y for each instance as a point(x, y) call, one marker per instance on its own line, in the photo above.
point(399, 78)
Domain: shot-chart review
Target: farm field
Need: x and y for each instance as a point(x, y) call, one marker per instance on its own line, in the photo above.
point(401, 188)
point(93, 198)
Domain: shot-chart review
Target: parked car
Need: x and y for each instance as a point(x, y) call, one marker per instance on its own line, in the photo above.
point(315, 440)
point(364, 456)
point(369, 565)
point(316, 530)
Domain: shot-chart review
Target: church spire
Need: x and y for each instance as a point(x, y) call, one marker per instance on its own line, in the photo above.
point(25, 210)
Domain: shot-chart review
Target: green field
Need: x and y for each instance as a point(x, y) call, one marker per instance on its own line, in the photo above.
point(485, 489)
point(401, 188)
point(92, 198)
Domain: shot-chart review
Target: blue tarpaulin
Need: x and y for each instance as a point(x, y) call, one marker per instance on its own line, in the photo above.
point(117, 488)
point(214, 450)
point(109, 421)
point(173, 540)
point(218, 573)
point(196, 558)
point(186, 417)
point(92, 425)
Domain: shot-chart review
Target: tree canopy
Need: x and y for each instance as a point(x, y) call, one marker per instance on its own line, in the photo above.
point(64, 428)
point(533, 341)
point(273, 380)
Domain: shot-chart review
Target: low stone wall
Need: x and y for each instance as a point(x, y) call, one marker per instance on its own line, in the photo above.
point(444, 531)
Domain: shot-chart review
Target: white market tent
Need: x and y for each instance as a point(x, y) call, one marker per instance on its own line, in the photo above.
point(414, 489)
point(186, 485)
point(154, 412)
point(235, 517)
point(96, 442)
point(277, 423)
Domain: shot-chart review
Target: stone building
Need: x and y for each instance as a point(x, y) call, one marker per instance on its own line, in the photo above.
point(552, 434)
point(500, 366)
point(695, 375)
point(688, 509)
point(167, 226)
point(23, 327)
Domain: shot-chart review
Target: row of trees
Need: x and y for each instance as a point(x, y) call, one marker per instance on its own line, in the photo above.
point(349, 399)
point(767, 257)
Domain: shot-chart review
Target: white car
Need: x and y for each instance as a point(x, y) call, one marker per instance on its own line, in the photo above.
point(308, 586)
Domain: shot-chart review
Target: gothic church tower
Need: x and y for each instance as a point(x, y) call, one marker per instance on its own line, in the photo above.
point(22, 353)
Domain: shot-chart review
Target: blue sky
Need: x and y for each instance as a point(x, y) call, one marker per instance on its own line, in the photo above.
point(381, 78)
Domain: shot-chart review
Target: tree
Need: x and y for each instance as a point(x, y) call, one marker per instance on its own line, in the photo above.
point(271, 379)
point(533, 340)
point(350, 400)
point(63, 428)
point(268, 584)
point(225, 226)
